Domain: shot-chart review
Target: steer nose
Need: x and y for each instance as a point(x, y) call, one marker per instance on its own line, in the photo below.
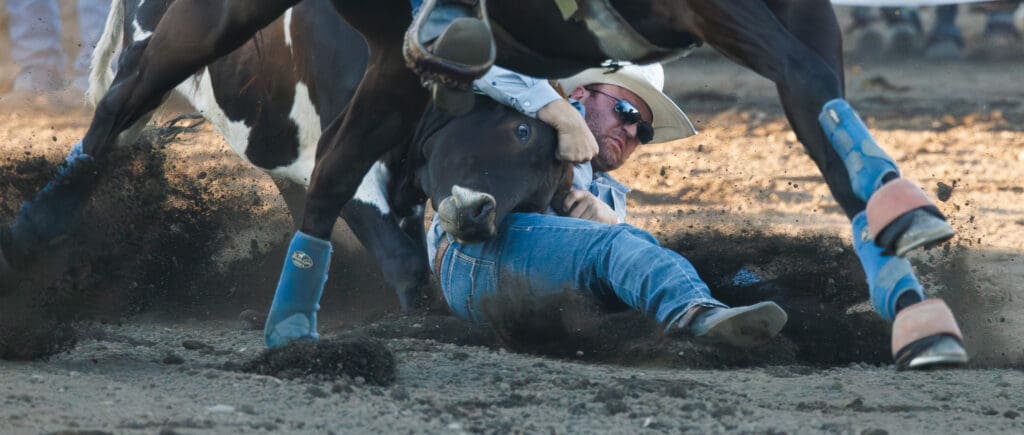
point(479, 212)
point(468, 215)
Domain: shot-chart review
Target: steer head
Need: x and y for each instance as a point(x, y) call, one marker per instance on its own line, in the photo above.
point(486, 164)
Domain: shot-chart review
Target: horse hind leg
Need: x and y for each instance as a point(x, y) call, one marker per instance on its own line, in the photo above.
point(797, 45)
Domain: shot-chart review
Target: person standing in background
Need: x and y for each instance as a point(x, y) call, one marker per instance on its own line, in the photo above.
point(898, 31)
point(35, 32)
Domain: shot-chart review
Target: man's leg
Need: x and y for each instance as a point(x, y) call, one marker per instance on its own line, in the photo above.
point(543, 255)
point(904, 30)
point(92, 16)
point(1001, 38)
point(35, 44)
point(945, 41)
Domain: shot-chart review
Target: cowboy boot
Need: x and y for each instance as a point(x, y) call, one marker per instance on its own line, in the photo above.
point(449, 45)
point(747, 326)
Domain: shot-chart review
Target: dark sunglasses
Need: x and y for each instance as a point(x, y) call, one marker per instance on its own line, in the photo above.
point(629, 115)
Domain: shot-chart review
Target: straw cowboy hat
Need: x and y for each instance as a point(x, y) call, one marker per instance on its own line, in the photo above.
point(647, 82)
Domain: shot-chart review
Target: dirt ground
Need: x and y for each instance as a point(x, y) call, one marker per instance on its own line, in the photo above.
point(183, 236)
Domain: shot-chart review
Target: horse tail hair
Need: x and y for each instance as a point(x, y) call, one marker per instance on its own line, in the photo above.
point(101, 76)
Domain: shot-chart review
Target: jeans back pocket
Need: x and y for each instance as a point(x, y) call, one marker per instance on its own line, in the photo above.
point(466, 280)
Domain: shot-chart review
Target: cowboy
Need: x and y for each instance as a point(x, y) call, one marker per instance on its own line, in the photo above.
point(589, 249)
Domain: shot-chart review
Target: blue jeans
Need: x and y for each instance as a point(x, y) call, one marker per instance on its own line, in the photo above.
point(544, 255)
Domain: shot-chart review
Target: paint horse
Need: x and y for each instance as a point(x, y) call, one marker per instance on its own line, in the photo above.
point(795, 43)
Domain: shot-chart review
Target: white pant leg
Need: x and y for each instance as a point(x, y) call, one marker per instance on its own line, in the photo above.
point(35, 44)
point(92, 16)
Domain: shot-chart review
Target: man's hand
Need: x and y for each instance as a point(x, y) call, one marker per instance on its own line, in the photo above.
point(584, 205)
point(576, 142)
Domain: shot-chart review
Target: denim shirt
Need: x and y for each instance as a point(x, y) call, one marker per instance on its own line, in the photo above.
point(521, 92)
point(603, 186)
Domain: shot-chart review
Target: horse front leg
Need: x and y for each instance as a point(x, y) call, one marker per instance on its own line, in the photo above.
point(192, 33)
point(797, 45)
point(382, 115)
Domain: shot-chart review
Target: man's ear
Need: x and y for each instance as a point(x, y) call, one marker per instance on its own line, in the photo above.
point(578, 93)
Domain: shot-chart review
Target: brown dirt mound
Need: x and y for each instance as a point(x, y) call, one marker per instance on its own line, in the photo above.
point(330, 358)
point(142, 242)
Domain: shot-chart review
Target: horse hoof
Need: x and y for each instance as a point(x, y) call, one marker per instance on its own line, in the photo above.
point(933, 352)
point(925, 335)
point(901, 218)
point(920, 229)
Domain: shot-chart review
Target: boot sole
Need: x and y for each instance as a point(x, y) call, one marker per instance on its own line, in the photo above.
point(753, 327)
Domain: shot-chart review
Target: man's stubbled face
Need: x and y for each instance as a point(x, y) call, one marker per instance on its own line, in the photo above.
point(616, 140)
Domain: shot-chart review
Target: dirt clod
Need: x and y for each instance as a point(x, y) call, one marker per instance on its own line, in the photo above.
point(355, 357)
point(943, 191)
point(173, 359)
point(195, 345)
point(252, 320)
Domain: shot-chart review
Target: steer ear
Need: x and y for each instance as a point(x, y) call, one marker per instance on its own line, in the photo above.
point(563, 189)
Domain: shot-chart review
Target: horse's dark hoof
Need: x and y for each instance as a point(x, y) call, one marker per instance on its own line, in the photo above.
point(920, 228)
point(932, 352)
point(901, 217)
point(925, 335)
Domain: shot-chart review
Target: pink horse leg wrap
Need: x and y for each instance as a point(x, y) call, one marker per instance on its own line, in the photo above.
point(892, 200)
point(922, 320)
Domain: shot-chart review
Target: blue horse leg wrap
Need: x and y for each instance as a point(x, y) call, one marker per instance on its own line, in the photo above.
point(888, 276)
point(54, 209)
point(866, 162)
point(297, 299)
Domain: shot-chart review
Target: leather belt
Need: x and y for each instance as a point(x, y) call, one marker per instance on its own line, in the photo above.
point(442, 248)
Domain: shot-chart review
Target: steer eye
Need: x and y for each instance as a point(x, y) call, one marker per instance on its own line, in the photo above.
point(523, 132)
